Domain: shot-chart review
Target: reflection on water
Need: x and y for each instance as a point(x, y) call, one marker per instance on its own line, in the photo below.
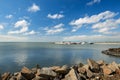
point(20, 58)
point(17, 55)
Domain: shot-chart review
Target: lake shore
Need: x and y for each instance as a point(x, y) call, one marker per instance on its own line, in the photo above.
point(93, 70)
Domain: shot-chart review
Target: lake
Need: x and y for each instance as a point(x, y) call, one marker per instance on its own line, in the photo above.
point(15, 55)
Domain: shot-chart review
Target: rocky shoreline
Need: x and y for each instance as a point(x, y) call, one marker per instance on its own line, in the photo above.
point(112, 52)
point(93, 70)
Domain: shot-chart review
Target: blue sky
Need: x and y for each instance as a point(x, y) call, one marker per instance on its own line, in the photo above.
point(59, 20)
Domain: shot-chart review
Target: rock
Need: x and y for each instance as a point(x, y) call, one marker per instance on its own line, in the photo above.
point(72, 75)
point(89, 73)
point(101, 62)
point(80, 65)
point(46, 72)
point(113, 66)
point(63, 70)
point(6, 76)
point(93, 65)
point(54, 68)
point(106, 70)
point(39, 78)
point(34, 70)
point(20, 77)
point(13, 78)
point(81, 70)
point(27, 73)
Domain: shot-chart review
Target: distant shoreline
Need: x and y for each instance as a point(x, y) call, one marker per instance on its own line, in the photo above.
point(107, 43)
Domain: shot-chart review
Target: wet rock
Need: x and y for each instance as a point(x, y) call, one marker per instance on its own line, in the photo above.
point(27, 73)
point(46, 72)
point(93, 65)
point(72, 75)
point(6, 76)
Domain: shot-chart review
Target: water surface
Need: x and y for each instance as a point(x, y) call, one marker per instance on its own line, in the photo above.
point(13, 56)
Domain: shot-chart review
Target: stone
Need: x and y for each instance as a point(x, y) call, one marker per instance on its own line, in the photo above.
point(89, 73)
point(72, 75)
point(113, 66)
point(13, 78)
point(106, 70)
point(94, 66)
point(81, 70)
point(101, 62)
point(20, 77)
point(39, 78)
point(6, 76)
point(63, 70)
point(46, 72)
point(54, 68)
point(34, 70)
point(27, 73)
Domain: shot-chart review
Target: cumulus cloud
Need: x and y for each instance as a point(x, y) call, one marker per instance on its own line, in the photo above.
point(9, 16)
point(93, 2)
point(23, 24)
point(1, 27)
point(55, 16)
point(55, 29)
point(34, 8)
point(30, 33)
point(78, 23)
point(92, 38)
point(106, 26)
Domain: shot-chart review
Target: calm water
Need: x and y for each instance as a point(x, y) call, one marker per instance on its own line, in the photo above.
point(13, 56)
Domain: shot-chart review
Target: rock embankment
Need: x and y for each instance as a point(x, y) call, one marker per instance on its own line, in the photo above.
point(112, 51)
point(94, 70)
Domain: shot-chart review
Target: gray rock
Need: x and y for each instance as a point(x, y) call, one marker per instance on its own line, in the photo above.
point(46, 72)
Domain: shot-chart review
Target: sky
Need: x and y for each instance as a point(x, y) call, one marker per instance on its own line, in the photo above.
point(59, 20)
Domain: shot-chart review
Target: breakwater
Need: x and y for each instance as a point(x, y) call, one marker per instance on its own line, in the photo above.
point(93, 70)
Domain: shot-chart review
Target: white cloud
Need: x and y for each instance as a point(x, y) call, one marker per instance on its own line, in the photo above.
point(55, 16)
point(106, 26)
point(9, 16)
point(92, 38)
point(55, 29)
point(78, 23)
point(1, 27)
point(34, 8)
point(30, 33)
point(93, 2)
point(21, 23)
point(9, 38)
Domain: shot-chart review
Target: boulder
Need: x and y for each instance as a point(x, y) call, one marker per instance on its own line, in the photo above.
point(39, 78)
point(46, 72)
point(54, 68)
point(101, 62)
point(72, 75)
point(27, 73)
point(81, 70)
point(63, 70)
point(13, 78)
point(20, 77)
point(6, 76)
point(94, 66)
point(106, 70)
point(113, 66)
